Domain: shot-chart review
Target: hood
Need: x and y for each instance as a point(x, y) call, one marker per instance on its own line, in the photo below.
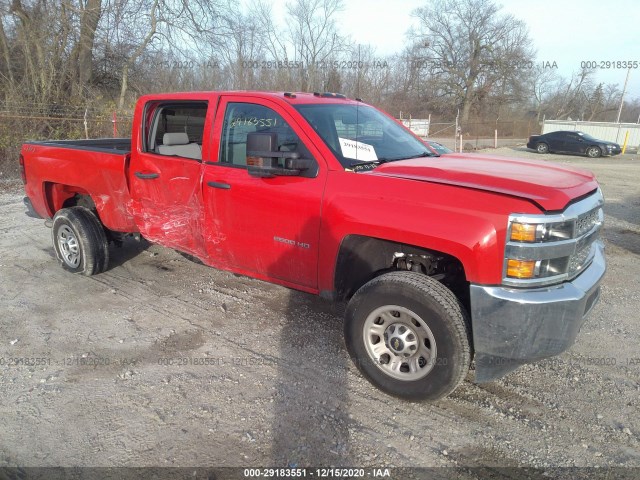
point(551, 186)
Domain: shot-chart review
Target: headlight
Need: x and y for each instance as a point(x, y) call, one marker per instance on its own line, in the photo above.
point(532, 231)
point(545, 249)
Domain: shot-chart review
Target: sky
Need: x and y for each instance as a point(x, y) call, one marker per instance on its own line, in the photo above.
point(566, 32)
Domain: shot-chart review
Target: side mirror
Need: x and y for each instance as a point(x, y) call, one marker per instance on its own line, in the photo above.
point(264, 160)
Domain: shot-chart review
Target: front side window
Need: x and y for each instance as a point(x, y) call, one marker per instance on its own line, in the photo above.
point(361, 135)
point(587, 137)
point(240, 119)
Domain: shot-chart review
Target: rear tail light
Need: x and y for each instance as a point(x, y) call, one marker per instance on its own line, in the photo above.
point(23, 174)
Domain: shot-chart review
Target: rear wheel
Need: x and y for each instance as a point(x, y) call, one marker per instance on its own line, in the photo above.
point(79, 241)
point(409, 335)
point(594, 152)
point(542, 148)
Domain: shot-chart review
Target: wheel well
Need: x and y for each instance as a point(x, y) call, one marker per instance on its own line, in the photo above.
point(80, 200)
point(361, 259)
point(60, 196)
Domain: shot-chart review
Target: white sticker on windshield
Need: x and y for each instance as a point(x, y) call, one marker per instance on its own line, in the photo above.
point(357, 150)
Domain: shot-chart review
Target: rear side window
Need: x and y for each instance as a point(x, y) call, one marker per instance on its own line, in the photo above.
point(240, 119)
point(176, 129)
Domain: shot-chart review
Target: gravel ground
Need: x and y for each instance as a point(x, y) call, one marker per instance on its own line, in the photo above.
point(161, 361)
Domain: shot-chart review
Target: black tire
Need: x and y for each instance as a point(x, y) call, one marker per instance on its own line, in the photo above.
point(542, 147)
point(79, 241)
point(594, 152)
point(424, 301)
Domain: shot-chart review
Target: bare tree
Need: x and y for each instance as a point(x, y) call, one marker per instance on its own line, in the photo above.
point(314, 36)
point(543, 82)
point(4, 47)
point(49, 52)
point(276, 47)
point(98, 54)
point(569, 94)
point(143, 26)
point(273, 42)
point(238, 42)
point(30, 38)
point(91, 13)
point(472, 48)
point(611, 100)
point(137, 52)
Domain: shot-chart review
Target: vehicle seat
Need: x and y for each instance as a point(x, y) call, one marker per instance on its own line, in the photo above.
point(178, 144)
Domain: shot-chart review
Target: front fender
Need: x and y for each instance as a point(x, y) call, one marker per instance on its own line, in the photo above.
point(464, 223)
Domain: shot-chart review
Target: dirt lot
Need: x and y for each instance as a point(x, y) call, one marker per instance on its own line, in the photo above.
point(164, 362)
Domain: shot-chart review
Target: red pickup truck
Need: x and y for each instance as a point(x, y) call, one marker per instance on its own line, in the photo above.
point(439, 260)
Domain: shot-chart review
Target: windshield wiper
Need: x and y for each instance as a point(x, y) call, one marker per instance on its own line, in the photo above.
point(418, 155)
point(375, 163)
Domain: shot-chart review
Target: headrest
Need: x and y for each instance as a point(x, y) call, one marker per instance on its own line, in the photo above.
point(178, 138)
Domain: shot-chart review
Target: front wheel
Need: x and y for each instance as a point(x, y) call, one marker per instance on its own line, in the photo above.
point(79, 241)
point(409, 335)
point(594, 152)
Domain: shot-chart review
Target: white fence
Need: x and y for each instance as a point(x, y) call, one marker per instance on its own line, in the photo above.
point(612, 132)
point(418, 126)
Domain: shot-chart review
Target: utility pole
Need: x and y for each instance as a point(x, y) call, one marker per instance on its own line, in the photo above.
point(624, 90)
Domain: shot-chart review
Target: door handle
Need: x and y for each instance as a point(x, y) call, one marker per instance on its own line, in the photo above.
point(146, 176)
point(223, 186)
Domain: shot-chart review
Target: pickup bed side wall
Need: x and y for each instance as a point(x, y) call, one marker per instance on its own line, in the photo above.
point(467, 224)
point(55, 174)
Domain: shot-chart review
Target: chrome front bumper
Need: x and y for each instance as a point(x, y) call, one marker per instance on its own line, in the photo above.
point(514, 326)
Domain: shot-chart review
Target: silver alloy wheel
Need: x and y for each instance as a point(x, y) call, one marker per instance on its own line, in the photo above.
point(593, 152)
point(399, 342)
point(69, 247)
point(542, 148)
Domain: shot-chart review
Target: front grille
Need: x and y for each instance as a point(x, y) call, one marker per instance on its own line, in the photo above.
point(587, 221)
point(579, 260)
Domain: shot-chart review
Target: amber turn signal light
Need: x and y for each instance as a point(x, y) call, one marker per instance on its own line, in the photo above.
point(523, 232)
point(521, 268)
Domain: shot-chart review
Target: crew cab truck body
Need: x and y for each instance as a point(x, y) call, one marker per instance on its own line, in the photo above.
point(439, 260)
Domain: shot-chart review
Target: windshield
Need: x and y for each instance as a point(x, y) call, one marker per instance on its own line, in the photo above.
point(360, 136)
point(438, 147)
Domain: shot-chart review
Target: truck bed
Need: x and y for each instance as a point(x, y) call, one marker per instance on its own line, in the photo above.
point(56, 170)
point(110, 145)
